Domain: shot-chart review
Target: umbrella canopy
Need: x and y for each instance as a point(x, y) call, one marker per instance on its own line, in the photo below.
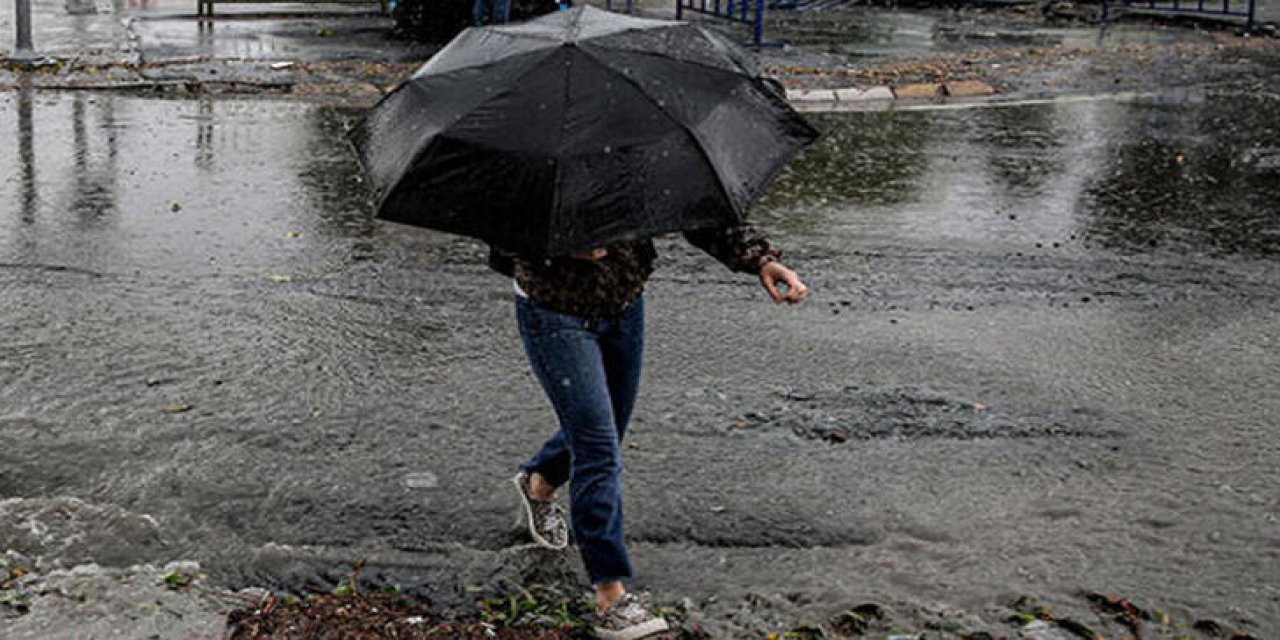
point(577, 130)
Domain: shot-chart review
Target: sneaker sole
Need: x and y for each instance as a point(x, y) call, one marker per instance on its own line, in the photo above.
point(644, 629)
point(528, 513)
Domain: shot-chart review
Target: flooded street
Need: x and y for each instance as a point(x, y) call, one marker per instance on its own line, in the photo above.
point(1041, 356)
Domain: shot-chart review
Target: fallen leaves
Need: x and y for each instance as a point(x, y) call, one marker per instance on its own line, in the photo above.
point(1121, 610)
point(177, 581)
point(859, 620)
point(1033, 616)
point(12, 595)
point(348, 613)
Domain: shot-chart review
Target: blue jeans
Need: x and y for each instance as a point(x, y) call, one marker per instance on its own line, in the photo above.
point(491, 12)
point(590, 370)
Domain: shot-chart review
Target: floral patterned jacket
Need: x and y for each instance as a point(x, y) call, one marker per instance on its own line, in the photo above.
point(604, 288)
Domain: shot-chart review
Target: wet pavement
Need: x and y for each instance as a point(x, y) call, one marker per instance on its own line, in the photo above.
point(274, 32)
point(56, 33)
point(1041, 356)
point(151, 31)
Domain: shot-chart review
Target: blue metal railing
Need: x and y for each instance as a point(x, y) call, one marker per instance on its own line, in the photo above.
point(1247, 9)
point(747, 12)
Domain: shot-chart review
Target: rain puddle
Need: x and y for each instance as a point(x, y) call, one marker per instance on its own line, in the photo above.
point(105, 183)
point(1137, 174)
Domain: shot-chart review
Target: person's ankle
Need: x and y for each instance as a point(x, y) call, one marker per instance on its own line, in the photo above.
point(608, 593)
point(540, 489)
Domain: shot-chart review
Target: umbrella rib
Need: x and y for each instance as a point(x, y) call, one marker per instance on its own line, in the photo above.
point(556, 201)
point(475, 67)
point(686, 128)
point(744, 73)
point(728, 49)
point(511, 86)
point(427, 149)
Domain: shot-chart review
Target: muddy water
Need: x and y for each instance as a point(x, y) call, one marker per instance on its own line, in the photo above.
point(1041, 357)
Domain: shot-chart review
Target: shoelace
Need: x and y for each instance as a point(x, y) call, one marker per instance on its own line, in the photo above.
point(552, 517)
point(631, 609)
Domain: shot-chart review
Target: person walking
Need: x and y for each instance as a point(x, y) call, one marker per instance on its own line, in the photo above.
point(581, 321)
point(600, 128)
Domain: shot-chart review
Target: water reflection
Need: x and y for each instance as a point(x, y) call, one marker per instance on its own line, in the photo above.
point(118, 184)
point(1201, 175)
point(27, 198)
point(205, 40)
point(1022, 147)
point(998, 180)
point(1184, 174)
point(871, 159)
point(113, 183)
point(204, 134)
point(334, 186)
point(94, 176)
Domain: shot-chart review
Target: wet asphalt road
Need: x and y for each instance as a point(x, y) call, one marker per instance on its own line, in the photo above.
point(1041, 356)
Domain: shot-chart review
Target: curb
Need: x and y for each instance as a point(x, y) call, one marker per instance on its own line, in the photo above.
point(851, 94)
point(835, 98)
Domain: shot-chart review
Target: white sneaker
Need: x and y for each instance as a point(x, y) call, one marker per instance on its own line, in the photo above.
point(547, 522)
point(628, 619)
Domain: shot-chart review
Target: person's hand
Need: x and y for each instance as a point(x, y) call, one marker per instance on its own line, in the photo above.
point(773, 274)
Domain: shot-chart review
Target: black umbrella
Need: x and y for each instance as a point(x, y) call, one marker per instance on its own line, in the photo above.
point(577, 130)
